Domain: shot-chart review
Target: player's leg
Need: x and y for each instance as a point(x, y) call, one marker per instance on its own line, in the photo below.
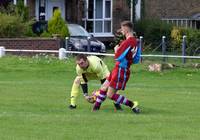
point(104, 87)
point(118, 81)
point(112, 94)
point(102, 95)
point(74, 92)
point(117, 106)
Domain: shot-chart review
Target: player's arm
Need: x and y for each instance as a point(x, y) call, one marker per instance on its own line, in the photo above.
point(116, 48)
point(84, 85)
point(84, 80)
point(85, 92)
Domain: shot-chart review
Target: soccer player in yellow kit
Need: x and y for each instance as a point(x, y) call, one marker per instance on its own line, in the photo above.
point(88, 68)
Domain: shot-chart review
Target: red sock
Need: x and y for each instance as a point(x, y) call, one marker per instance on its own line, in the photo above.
point(122, 100)
point(100, 98)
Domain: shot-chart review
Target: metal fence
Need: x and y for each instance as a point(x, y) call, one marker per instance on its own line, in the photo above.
point(63, 53)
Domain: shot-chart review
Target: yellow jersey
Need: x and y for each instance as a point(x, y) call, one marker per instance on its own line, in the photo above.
point(97, 69)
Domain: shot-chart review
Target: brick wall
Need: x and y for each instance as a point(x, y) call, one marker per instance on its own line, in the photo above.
point(171, 8)
point(121, 12)
point(31, 43)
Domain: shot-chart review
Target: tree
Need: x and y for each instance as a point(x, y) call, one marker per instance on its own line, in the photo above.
point(57, 25)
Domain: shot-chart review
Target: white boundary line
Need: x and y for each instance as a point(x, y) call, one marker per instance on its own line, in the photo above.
point(47, 51)
point(144, 55)
point(102, 54)
point(171, 56)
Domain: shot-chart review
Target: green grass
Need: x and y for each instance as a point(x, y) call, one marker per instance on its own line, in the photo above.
point(34, 95)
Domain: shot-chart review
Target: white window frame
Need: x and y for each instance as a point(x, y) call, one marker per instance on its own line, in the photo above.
point(37, 9)
point(48, 13)
point(15, 2)
point(102, 34)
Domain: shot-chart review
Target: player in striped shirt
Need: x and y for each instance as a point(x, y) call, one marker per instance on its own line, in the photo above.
point(121, 72)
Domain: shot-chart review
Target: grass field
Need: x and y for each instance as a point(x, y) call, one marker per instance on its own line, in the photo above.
point(34, 99)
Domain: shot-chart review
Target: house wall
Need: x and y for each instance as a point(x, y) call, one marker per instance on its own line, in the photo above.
point(31, 7)
point(171, 8)
point(74, 11)
point(121, 12)
point(74, 14)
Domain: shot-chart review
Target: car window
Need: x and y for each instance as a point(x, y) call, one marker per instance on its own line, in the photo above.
point(76, 30)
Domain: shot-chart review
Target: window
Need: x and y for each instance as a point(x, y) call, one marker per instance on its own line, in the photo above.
point(17, 1)
point(99, 9)
point(107, 9)
point(90, 9)
point(98, 17)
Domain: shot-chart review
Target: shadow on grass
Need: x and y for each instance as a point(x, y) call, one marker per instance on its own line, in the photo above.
point(154, 111)
point(110, 109)
point(144, 110)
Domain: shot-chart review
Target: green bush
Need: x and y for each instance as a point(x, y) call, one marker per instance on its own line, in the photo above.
point(193, 41)
point(45, 34)
point(57, 25)
point(7, 8)
point(152, 30)
point(14, 21)
point(176, 38)
point(22, 11)
point(11, 26)
point(28, 32)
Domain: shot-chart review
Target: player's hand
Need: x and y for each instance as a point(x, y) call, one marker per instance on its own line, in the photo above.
point(87, 97)
point(116, 48)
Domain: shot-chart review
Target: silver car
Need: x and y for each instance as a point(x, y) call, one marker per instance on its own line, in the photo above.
point(81, 40)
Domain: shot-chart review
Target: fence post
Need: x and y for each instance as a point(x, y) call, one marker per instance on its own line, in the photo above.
point(89, 44)
point(66, 44)
point(140, 45)
point(62, 54)
point(2, 51)
point(183, 49)
point(163, 48)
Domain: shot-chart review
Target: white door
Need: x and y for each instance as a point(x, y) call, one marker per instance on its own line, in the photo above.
point(53, 5)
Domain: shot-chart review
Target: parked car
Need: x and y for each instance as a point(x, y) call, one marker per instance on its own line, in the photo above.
point(81, 40)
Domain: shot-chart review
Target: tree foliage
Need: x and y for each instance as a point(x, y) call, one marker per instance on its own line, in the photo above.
point(57, 25)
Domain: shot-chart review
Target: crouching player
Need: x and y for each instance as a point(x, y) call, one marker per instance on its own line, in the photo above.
point(120, 74)
point(88, 68)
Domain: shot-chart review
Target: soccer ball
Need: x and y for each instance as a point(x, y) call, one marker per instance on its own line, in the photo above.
point(94, 95)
